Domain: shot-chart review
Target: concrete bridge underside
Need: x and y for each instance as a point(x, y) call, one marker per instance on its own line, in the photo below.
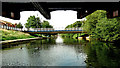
point(12, 9)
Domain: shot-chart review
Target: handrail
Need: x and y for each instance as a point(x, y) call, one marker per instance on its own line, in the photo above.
point(38, 29)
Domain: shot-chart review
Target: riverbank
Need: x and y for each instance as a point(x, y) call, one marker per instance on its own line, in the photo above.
point(13, 35)
point(19, 40)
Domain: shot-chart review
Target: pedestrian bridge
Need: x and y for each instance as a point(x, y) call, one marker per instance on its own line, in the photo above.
point(52, 31)
point(45, 30)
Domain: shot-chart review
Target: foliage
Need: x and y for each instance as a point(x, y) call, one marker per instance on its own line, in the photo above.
point(38, 35)
point(100, 27)
point(76, 24)
point(92, 19)
point(108, 29)
point(67, 35)
point(78, 35)
point(69, 26)
point(45, 24)
point(19, 25)
point(33, 22)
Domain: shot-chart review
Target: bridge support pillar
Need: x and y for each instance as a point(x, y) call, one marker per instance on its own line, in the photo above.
point(49, 35)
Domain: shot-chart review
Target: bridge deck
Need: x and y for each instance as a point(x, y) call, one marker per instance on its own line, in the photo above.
point(55, 31)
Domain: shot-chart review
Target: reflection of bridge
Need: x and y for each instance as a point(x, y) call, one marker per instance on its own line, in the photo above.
point(52, 31)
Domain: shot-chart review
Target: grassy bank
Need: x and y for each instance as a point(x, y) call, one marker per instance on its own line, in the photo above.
point(12, 35)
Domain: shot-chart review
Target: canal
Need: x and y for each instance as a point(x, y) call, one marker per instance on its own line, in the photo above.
point(61, 52)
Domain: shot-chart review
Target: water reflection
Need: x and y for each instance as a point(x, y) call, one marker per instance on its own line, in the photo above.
point(67, 52)
point(44, 53)
point(101, 54)
point(59, 39)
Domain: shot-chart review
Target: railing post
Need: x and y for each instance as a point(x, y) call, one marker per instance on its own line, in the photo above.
point(3, 26)
point(6, 26)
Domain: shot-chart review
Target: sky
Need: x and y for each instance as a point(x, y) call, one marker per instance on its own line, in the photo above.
point(59, 19)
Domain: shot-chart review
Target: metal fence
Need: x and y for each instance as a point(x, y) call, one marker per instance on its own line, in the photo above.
point(10, 28)
point(39, 29)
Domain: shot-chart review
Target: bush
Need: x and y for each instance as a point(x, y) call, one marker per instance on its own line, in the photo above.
point(100, 27)
point(92, 19)
point(108, 29)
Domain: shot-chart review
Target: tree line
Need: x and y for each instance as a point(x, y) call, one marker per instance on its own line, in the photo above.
point(98, 26)
point(76, 24)
point(34, 22)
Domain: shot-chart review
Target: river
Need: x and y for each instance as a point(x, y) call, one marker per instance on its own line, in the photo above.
point(61, 52)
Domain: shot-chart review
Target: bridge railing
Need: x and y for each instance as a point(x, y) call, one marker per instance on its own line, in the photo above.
point(10, 27)
point(74, 29)
point(41, 29)
point(52, 29)
point(38, 29)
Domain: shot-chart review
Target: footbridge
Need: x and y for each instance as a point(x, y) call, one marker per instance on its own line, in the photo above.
point(52, 31)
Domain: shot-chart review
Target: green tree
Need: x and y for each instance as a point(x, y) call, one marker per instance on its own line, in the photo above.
point(100, 27)
point(69, 26)
point(45, 24)
point(92, 19)
point(33, 22)
point(77, 24)
point(19, 26)
point(108, 29)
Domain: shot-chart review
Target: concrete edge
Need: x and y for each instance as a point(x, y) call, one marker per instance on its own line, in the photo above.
point(17, 40)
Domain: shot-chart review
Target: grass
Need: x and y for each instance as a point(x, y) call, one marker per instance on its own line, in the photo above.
point(12, 35)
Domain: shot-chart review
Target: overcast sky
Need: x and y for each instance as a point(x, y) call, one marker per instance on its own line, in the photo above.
point(59, 19)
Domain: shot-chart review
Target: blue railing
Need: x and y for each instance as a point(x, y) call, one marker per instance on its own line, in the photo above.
point(52, 30)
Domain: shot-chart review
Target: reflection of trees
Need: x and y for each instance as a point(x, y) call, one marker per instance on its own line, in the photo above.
point(36, 47)
point(40, 44)
point(71, 41)
point(102, 54)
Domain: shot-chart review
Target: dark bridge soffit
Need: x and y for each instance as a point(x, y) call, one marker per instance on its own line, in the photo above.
point(81, 7)
point(17, 7)
point(43, 11)
point(46, 7)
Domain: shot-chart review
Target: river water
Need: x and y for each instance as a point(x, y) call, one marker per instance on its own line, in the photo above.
point(61, 52)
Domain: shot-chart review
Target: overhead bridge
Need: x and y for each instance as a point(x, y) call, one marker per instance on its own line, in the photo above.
point(12, 9)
